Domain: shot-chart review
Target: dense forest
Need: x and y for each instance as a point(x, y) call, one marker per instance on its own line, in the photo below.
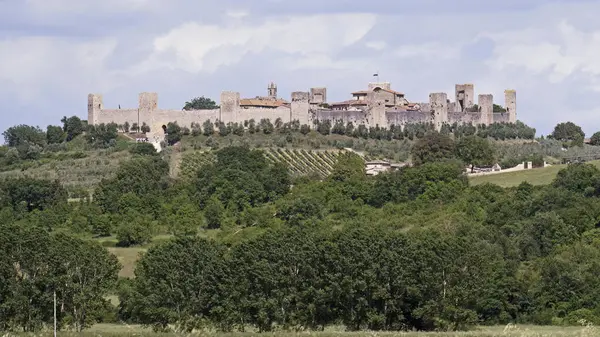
point(250, 247)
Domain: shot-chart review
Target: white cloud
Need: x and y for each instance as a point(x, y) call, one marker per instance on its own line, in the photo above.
point(237, 14)
point(49, 7)
point(569, 52)
point(428, 50)
point(52, 64)
point(376, 45)
point(196, 47)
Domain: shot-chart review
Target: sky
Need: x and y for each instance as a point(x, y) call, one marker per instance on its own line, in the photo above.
point(53, 53)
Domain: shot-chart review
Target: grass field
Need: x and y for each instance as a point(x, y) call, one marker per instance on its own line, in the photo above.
point(495, 331)
point(539, 176)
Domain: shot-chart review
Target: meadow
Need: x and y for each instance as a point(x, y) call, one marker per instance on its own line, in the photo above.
point(538, 176)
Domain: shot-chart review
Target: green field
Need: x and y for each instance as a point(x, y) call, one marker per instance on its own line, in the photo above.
point(494, 331)
point(539, 176)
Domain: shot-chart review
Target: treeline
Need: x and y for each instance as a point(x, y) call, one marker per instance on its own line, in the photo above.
point(414, 249)
point(417, 248)
point(500, 131)
point(29, 143)
point(36, 264)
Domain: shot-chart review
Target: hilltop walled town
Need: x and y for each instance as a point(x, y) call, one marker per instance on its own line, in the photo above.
point(377, 105)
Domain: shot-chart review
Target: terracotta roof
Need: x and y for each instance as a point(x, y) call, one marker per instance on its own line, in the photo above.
point(263, 102)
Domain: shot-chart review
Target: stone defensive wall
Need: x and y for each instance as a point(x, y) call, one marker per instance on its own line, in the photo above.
point(308, 107)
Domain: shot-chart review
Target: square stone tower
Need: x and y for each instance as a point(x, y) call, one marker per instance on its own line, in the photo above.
point(465, 96)
point(510, 103)
point(95, 107)
point(300, 107)
point(318, 95)
point(439, 108)
point(486, 106)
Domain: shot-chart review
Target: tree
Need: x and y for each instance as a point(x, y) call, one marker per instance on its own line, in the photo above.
point(208, 128)
point(102, 135)
point(348, 166)
point(173, 133)
point(498, 108)
point(126, 127)
point(34, 194)
point(213, 213)
point(568, 131)
point(145, 128)
point(304, 129)
point(55, 134)
point(475, 151)
point(433, 147)
point(180, 283)
point(72, 126)
point(85, 273)
point(577, 177)
point(595, 140)
point(200, 103)
point(144, 149)
point(24, 135)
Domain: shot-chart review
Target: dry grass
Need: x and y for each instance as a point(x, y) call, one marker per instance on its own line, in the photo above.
point(128, 258)
point(539, 176)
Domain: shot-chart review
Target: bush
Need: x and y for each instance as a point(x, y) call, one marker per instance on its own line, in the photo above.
point(144, 149)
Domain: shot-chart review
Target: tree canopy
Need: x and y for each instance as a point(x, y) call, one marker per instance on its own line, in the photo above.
point(200, 103)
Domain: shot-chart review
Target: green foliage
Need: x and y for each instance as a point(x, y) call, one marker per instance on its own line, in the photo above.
point(22, 135)
point(55, 135)
point(200, 103)
point(31, 194)
point(475, 151)
point(143, 177)
point(34, 264)
point(207, 128)
point(144, 149)
point(433, 147)
point(73, 127)
point(174, 133)
point(505, 131)
point(578, 178)
point(241, 178)
point(569, 133)
point(417, 248)
point(498, 108)
point(102, 136)
point(595, 139)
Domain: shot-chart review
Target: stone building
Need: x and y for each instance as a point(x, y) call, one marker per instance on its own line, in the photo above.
point(379, 105)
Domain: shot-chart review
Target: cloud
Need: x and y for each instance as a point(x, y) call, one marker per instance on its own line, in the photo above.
point(429, 50)
point(237, 14)
point(195, 47)
point(376, 45)
point(52, 64)
point(570, 52)
point(50, 7)
point(54, 52)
